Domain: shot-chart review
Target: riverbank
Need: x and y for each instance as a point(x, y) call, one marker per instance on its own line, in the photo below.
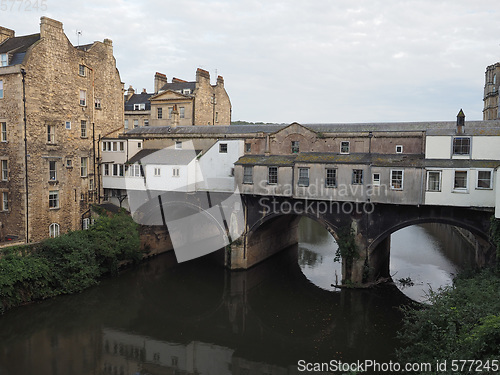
point(69, 263)
point(462, 322)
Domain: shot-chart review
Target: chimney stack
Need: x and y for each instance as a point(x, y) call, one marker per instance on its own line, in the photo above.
point(460, 122)
point(160, 81)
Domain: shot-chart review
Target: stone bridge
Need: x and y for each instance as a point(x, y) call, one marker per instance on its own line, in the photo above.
point(271, 224)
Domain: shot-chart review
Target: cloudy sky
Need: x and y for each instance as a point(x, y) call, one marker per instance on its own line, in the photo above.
point(307, 61)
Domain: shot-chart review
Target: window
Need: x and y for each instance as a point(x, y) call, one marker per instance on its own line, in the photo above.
point(97, 103)
point(5, 170)
point(146, 122)
point(4, 59)
point(126, 123)
point(136, 123)
point(83, 166)
point(248, 147)
point(344, 147)
point(3, 130)
point(175, 172)
point(81, 70)
point(223, 148)
point(272, 175)
point(170, 110)
point(157, 171)
point(139, 107)
point(159, 112)
point(397, 180)
point(295, 147)
point(135, 170)
point(139, 144)
point(484, 180)
point(461, 146)
point(67, 125)
point(51, 134)
point(122, 146)
point(303, 177)
point(248, 175)
point(53, 199)
point(1, 89)
point(83, 98)
point(399, 149)
point(86, 223)
point(53, 230)
point(216, 116)
point(106, 170)
point(331, 177)
point(181, 112)
point(357, 176)
point(376, 179)
point(186, 91)
point(118, 170)
point(460, 182)
point(52, 170)
point(69, 163)
point(178, 145)
point(434, 181)
point(5, 201)
point(83, 129)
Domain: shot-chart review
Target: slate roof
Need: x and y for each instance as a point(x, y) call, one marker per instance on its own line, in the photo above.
point(138, 99)
point(175, 86)
point(18, 46)
point(165, 156)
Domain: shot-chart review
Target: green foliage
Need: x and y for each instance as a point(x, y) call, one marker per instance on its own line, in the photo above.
point(462, 322)
point(347, 248)
point(495, 234)
point(69, 263)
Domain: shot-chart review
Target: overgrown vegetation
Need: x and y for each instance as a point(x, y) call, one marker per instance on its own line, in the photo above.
point(69, 263)
point(462, 322)
point(347, 249)
point(495, 235)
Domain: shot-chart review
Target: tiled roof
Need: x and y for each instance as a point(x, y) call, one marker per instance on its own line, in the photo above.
point(165, 156)
point(18, 46)
point(138, 99)
point(175, 86)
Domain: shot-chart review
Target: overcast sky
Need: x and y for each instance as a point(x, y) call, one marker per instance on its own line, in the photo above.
point(316, 61)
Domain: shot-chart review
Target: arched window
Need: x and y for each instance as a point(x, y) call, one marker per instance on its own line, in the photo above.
point(494, 79)
point(54, 230)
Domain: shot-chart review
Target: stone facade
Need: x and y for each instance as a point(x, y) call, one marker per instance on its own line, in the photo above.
point(179, 103)
point(74, 96)
point(491, 83)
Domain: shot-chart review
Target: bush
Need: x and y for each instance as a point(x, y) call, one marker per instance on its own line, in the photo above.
point(69, 263)
point(461, 323)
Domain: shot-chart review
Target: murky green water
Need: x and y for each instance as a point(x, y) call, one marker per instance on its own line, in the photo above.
point(198, 318)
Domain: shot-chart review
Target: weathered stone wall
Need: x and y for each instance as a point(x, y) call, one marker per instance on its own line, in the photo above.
point(53, 85)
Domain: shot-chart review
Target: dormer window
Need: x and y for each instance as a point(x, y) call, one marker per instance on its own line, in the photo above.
point(4, 59)
point(186, 91)
point(139, 107)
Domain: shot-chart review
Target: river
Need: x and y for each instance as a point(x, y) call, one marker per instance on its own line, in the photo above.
point(198, 318)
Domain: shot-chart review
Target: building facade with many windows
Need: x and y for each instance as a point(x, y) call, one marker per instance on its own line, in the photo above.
point(73, 96)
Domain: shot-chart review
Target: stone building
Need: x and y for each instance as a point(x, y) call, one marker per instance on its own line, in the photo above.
point(74, 96)
point(179, 103)
point(491, 109)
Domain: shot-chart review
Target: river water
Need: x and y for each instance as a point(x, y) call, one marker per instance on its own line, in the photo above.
point(198, 318)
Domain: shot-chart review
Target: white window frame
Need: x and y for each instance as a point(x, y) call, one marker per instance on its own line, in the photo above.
point(83, 98)
point(52, 170)
point(461, 153)
point(248, 174)
point(54, 230)
point(223, 148)
point(67, 125)
point(178, 145)
point(182, 112)
point(357, 178)
point(83, 129)
point(186, 91)
point(159, 113)
point(334, 177)
point(461, 189)
point(343, 144)
point(175, 172)
point(146, 122)
point(491, 179)
point(303, 177)
point(105, 169)
point(125, 123)
point(97, 103)
point(157, 171)
point(4, 59)
point(136, 123)
point(139, 106)
point(295, 147)
point(54, 197)
point(399, 149)
point(1, 89)
point(427, 186)
point(3, 131)
point(376, 179)
point(393, 171)
point(81, 70)
point(84, 166)
point(51, 134)
point(5, 169)
point(272, 179)
point(5, 201)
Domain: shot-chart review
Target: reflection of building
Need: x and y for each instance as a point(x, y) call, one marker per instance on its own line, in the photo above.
point(179, 103)
point(491, 109)
point(73, 96)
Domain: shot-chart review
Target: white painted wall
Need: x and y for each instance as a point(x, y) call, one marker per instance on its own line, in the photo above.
point(472, 197)
point(438, 147)
point(130, 148)
point(215, 168)
point(486, 147)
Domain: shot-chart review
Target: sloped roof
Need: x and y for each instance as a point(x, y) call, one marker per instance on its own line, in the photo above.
point(165, 156)
point(142, 98)
point(17, 46)
point(175, 86)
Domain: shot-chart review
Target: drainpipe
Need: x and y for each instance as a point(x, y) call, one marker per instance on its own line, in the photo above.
point(23, 73)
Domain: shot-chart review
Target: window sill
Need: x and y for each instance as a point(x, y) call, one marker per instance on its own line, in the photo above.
point(481, 188)
point(460, 191)
point(54, 208)
point(53, 182)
